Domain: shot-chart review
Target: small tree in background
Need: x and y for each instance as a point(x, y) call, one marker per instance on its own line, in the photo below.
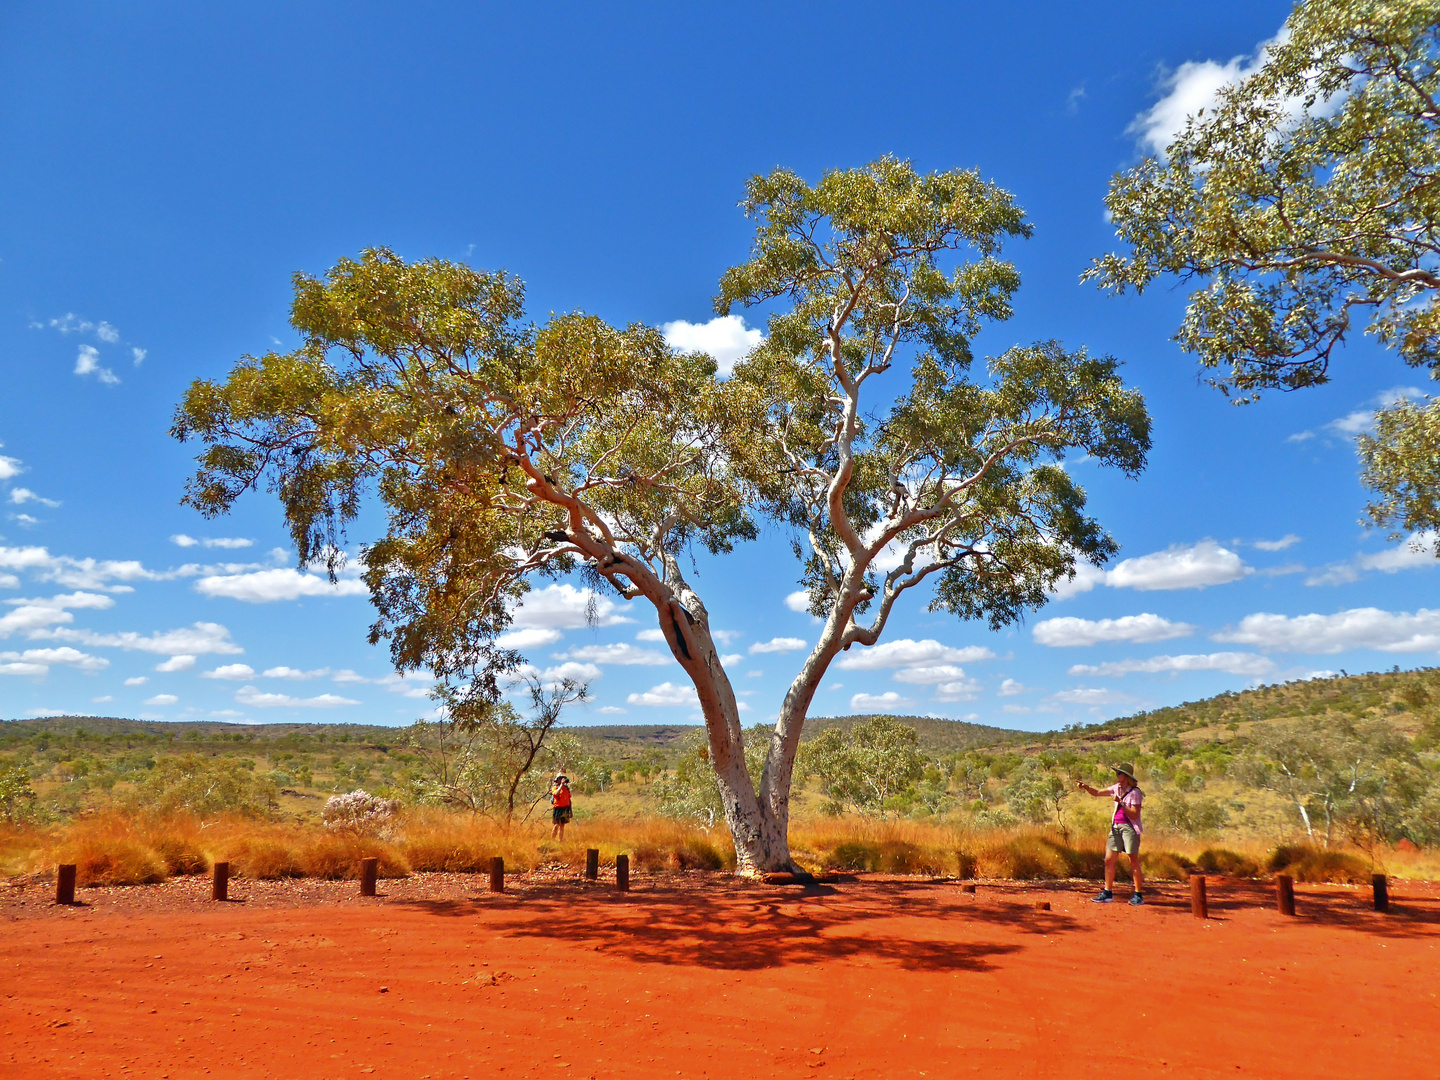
point(17, 797)
point(869, 768)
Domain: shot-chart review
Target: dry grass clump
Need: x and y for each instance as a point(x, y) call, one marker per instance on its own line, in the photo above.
point(109, 851)
point(1225, 861)
point(337, 858)
point(1321, 865)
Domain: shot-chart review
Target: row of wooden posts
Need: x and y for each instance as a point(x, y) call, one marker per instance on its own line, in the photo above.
point(370, 868)
point(369, 871)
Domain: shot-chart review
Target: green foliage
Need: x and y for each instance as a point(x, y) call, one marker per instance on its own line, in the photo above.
point(1197, 815)
point(1034, 793)
point(17, 797)
point(1302, 204)
point(871, 768)
point(204, 786)
point(691, 792)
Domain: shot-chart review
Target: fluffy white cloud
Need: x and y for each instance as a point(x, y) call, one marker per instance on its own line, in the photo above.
point(528, 639)
point(572, 671)
point(726, 338)
point(137, 680)
point(1358, 628)
point(620, 653)
point(931, 675)
point(667, 693)
point(963, 689)
point(1417, 553)
point(779, 644)
point(74, 573)
point(1009, 688)
point(724, 637)
point(88, 363)
point(161, 699)
point(1086, 578)
point(183, 662)
point(654, 633)
point(1288, 540)
point(1181, 566)
point(1193, 86)
point(731, 658)
point(798, 600)
point(36, 616)
point(43, 659)
point(886, 702)
point(1069, 631)
point(269, 586)
point(1092, 695)
point(10, 467)
point(199, 640)
point(236, 672)
point(907, 653)
point(184, 541)
point(139, 354)
point(20, 496)
point(284, 672)
point(564, 607)
point(611, 710)
point(251, 696)
point(1233, 663)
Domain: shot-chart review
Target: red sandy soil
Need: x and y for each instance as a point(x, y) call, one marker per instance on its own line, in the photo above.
point(703, 976)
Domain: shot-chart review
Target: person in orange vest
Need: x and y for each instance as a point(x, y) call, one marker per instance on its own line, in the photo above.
point(560, 809)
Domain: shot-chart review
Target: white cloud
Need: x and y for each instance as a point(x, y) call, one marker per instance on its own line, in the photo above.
point(24, 520)
point(667, 693)
point(406, 685)
point(183, 662)
point(107, 333)
point(237, 672)
point(1092, 695)
point(137, 680)
point(731, 658)
point(88, 363)
point(10, 467)
point(269, 586)
point(779, 644)
point(36, 616)
point(1417, 553)
point(927, 676)
point(39, 661)
point(886, 702)
point(161, 699)
point(283, 672)
point(1086, 578)
point(251, 696)
point(564, 607)
point(1233, 663)
point(1288, 540)
point(726, 637)
point(1009, 688)
point(653, 634)
point(963, 689)
point(20, 496)
point(181, 540)
point(1179, 567)
point(21, 667)
point(75, 573)
point(905, 652)
point(139, 355)
point(200, 639)
point(1070, 631)
point(102, 699)
point(1358, 628)
point(611, 710)
point(528, 639)
point(798, 600)
point(571, 670)
point(725, 338)
point(619, 653)
point(1193, 86)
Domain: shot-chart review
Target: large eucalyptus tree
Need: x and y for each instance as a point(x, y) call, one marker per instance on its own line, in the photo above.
point(504, 451)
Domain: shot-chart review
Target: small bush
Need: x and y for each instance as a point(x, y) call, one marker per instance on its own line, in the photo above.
point(360, 813)
point(448, 853)
point(1224, 861)
point(264, 858)
point(697, 854)
point(964, 865)
point(1165, 866)
point(1330, 866)
point(180, 855)
point(337, 858)
point(112, 860)
point(852, 855)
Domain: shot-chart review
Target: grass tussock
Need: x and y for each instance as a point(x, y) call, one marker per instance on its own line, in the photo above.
point(1321, 865)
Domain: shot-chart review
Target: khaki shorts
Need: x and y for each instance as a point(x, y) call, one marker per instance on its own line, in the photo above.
point(1123, 838)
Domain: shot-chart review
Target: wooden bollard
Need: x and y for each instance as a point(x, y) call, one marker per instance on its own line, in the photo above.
point(1285, 894)
point(622, 873)
point(592, 863)
point(1382, 892)
point(1042, 905)
point(967, 888)
point(497, 874)
point(65, 883)
point(1199, 905)
point(369, 871)
point(220, 881)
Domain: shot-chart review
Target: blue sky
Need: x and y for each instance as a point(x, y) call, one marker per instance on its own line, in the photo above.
point(167, 167)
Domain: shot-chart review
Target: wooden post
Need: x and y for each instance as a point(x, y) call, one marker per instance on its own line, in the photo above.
point(1285, 894)
point(220, 882)
point(967, 888)
point(622, 873)
point(497, 874)
point(369, 871)
point(1042, 905)
point(65, 884)
point(592, 863)
point(1199, 905)
point(1382, 892)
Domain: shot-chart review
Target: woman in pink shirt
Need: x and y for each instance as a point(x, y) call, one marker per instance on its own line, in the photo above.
point(1125, 831)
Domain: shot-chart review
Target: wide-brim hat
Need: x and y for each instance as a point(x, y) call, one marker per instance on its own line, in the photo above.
point(1125, 769)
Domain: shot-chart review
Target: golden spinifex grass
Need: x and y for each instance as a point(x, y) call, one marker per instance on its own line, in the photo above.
point(123, 849)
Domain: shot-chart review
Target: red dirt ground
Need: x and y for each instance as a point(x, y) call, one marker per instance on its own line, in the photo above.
point(701, 976)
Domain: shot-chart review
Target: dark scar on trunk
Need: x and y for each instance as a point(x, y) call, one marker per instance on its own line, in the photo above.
point(679, 637)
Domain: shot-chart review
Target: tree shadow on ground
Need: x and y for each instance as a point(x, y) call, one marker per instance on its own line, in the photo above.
point(728, 926)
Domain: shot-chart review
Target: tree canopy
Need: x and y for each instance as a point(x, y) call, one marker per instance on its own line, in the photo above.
point(1303, 205)
point(505, 451)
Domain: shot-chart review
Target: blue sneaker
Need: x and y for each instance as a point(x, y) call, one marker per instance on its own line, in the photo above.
point(1136, 900)
point(1104, 896)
